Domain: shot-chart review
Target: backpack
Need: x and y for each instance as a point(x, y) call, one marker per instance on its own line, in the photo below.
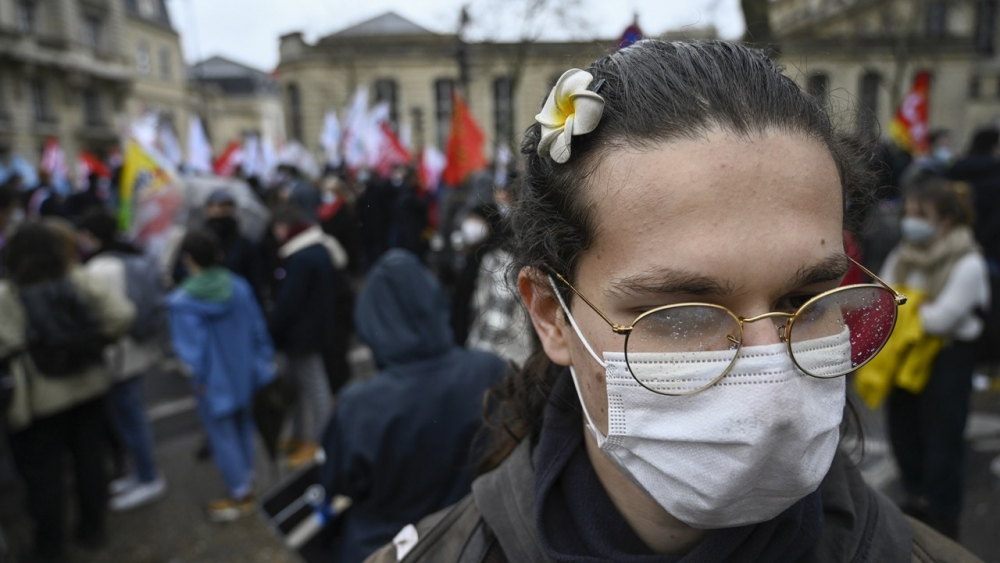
point(63, 334)
point(144, 288)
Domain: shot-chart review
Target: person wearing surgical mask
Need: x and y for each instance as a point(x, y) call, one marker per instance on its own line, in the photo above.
point(677, 240)
point(940, 265)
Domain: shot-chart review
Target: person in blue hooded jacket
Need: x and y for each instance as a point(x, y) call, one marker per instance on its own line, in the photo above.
point(400, 444)
point(219, 332)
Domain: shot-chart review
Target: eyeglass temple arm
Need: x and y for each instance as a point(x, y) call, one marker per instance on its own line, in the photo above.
point(614, 326)
point(899, 297)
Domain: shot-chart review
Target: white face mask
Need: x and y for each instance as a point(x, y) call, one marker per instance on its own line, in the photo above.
point(738, 453)
point(916, 230)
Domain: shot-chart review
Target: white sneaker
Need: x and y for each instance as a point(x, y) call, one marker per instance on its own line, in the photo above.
point(122, 484)
point(139, 495)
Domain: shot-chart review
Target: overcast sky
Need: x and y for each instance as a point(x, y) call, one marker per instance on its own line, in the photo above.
point(248, 30)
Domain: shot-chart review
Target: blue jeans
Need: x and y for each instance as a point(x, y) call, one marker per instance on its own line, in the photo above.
point(128, 411)
point(232, 440)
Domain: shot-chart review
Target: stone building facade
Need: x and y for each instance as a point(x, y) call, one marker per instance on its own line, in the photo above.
point(159, 73)
point(64, 72)
point(862, 56)
point(415, 70)
point(235, 100)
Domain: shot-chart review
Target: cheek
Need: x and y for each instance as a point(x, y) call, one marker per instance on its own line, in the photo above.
point(591, 378)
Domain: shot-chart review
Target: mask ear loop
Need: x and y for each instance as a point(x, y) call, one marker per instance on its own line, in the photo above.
point(600, 438)
point(572, 322)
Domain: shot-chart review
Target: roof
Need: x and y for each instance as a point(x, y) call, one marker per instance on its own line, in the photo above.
point(389, 23)
point(231, 77)
point(220, 67)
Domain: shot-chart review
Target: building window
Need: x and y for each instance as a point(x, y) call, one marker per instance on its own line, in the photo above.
point(166, 68)
point(92, 107)
point(27, 16)
point(937, 19)
point(986, 22)
point(443, 90)
point(386, 91)
point(503, 110)
point(975, 87)
point(92, 32)
point(40, 100)
point(818, 87)
point(295, 111)
point(143, 64)
point(871, 82)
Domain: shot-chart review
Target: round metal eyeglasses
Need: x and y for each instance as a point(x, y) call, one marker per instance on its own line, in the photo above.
point(830, 335)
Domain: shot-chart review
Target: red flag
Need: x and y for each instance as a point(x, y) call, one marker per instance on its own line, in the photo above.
point(909, 128)
point(93, 165)
point(391, 151)
point(232, 157)
point(465, 144)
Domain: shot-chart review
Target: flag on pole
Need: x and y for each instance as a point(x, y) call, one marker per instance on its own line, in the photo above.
point(329, 139)
point(199, 158)
point(167, 144)
point(631, 35)
point(54, 163)
point(501, 165)
point(355, 125)
point(253, 157)
point(392, 152)
point(432, 163)
point(146, 206)
point(909, 128)
point(229, 160)
point(90, 164)
point(465, 144)
point(374, 138)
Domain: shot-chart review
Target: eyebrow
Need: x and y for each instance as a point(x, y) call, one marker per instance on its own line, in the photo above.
point(669, 280)
point(832, 268)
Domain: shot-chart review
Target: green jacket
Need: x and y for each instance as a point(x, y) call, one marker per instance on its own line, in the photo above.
point(36, 395)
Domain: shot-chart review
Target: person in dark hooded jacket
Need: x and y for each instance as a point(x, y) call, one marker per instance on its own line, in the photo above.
point(981, 168)
point(400, 444)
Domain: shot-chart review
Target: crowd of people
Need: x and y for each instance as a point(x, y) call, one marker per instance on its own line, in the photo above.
point(518, 412)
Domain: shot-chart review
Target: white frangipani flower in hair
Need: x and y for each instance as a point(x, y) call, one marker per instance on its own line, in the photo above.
point(571, 109)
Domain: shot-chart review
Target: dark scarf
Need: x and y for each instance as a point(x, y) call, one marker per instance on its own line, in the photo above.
point(577, 521)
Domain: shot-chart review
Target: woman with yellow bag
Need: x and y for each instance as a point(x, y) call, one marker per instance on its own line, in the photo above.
point(941, 269)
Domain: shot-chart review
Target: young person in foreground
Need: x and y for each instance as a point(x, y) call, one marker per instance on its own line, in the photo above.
point(678, 238)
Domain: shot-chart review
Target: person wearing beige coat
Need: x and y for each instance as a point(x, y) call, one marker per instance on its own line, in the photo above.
point(55, 418)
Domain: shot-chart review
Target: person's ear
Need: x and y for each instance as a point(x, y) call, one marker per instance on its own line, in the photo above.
point(546, 314)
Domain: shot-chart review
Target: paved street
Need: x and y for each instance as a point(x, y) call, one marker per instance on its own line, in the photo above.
point(176, 529)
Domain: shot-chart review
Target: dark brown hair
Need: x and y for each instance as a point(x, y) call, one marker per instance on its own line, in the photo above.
point(951, 200)
point(655, 92)
point(37, 253)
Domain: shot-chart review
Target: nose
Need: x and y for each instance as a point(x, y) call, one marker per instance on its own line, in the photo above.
point(764, 329)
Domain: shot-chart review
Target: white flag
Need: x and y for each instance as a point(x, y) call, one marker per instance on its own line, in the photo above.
point(269, 157)
point(374, 138)
point(432, 164)
point(168, 144)
point(501, 165)
point(329, 139)
point(355, 127)
point(199, 158)
point(253, 161)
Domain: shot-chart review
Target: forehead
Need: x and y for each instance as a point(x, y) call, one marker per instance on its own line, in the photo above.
point(717, 204)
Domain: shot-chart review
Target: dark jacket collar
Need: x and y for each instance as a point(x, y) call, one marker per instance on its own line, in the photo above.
point(860, 525)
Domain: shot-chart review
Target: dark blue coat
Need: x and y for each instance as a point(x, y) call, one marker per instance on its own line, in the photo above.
point(399, 444)
point(303, 318)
